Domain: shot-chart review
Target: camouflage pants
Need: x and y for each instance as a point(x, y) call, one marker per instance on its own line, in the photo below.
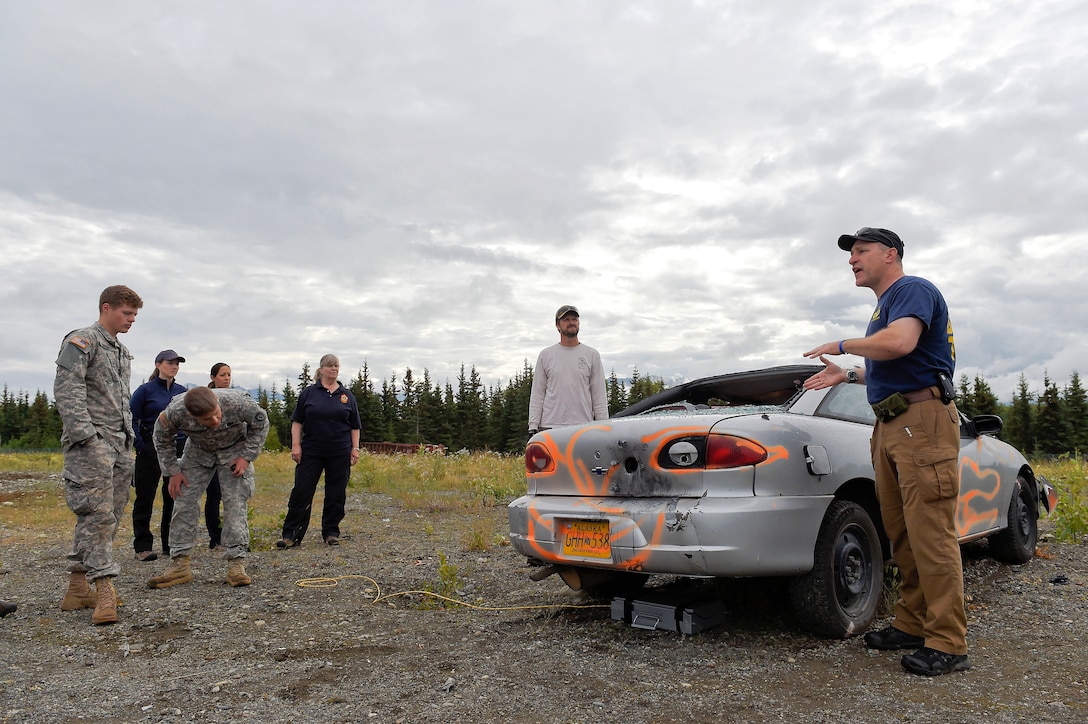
point(96, 483)
point(236, 494)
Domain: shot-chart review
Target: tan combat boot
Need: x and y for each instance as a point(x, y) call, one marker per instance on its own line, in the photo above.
point(79, 594)
point(177, 572)
point(236, 572)
point(105, 611)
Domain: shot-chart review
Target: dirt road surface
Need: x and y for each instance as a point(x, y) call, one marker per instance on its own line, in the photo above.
point(327, 650)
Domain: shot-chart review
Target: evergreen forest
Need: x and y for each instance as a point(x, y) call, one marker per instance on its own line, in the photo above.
point(466, 414)
point(412, 409)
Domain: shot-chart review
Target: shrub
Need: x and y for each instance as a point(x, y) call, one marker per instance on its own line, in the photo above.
point(1070, 477)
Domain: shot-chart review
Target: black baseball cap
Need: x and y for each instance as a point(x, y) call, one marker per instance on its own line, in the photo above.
point(869, 233)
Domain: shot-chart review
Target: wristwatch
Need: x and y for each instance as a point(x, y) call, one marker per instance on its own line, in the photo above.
point(851, 376)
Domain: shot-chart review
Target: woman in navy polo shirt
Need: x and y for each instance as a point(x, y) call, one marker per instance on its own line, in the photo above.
point(150, 399)
point(324, 437)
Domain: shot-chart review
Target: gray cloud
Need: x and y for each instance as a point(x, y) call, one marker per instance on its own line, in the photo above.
point(421, 184)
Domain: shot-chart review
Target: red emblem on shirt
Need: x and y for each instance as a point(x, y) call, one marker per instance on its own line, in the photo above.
point(344, 399)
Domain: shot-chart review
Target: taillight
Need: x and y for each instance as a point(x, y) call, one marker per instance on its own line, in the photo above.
point(727, 451)
point(538, 459)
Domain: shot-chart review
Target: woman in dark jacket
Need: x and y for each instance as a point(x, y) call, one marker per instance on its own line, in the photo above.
point(150, 399)
point(324, 437)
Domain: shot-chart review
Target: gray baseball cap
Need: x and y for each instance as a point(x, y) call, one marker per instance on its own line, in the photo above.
point(168, 354)
point(565, 310)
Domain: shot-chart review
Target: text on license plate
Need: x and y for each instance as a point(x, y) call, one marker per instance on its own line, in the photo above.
point(586, 538)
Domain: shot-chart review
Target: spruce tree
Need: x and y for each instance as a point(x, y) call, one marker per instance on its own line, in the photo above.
point(1075, 405)
point(643, 387)
point(390, 411)
point(1020, 425)
point(429, 407)
point(616, 392)
point(983, 399)
point(37, 433)
point(448, 434)
point(1052, 430)
point(370, 418)
point(408, 414)
point(965, 400)
point(305, 377)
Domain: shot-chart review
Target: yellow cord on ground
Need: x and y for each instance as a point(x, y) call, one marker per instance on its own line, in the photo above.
point(333, 581)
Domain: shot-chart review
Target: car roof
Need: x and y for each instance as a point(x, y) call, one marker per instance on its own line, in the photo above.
point(769, 386)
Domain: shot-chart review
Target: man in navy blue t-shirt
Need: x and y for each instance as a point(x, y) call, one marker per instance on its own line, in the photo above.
point(908, 349)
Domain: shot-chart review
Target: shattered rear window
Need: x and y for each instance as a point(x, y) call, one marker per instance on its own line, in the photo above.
point(713, 407)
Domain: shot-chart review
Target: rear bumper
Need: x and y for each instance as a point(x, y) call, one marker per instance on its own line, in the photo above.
point(751, 536)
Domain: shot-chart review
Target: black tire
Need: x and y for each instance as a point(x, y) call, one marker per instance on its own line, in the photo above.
point(1016, 544)
point(840, 596)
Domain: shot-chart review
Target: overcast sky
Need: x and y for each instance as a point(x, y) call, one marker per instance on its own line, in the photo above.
point(422, 184)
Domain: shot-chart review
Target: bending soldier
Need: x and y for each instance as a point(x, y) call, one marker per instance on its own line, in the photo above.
point(226, 430)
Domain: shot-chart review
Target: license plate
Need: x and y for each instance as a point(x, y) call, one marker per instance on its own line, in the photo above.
point(587, 539)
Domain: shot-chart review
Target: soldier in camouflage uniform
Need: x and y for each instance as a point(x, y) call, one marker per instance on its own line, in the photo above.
point(91, 392)
point(226, 430)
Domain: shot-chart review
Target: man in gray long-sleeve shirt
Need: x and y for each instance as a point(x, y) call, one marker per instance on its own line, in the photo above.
point(568, 382)
point(91, 392)
point(226, 430)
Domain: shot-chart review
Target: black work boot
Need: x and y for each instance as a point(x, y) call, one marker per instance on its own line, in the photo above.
point(931, 662)
point(891, 638)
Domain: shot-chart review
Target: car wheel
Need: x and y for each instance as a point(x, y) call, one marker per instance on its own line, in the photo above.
point(839, 597)
point(597, 583)
point(1016, 544)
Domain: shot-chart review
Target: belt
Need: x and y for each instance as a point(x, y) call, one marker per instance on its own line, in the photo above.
point(897, 403)
point(926, 393)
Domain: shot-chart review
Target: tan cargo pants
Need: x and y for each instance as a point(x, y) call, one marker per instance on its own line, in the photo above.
point(916, 458)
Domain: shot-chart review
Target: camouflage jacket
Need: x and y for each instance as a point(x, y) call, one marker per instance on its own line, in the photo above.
point(91, 389)
point(241, 432)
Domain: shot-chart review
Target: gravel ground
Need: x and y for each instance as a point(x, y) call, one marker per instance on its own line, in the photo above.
point(278, 651)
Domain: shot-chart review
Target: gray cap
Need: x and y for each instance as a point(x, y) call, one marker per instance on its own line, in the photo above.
point(168, 354)
point(566, 309)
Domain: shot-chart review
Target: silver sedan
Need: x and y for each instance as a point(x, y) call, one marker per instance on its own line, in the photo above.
point(747, 474)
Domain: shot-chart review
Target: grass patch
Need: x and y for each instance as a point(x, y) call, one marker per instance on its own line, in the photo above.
point(33, 514)
point(478, 536)
point(889, 590)
point(465, 484)
point(31, 462)
point(1070, 477)
point(432, 482)
point(444, 587)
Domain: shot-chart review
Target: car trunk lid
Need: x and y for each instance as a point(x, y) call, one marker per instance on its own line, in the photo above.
point(638, 457)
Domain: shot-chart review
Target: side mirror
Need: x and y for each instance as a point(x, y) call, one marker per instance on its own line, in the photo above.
point(987, 424)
